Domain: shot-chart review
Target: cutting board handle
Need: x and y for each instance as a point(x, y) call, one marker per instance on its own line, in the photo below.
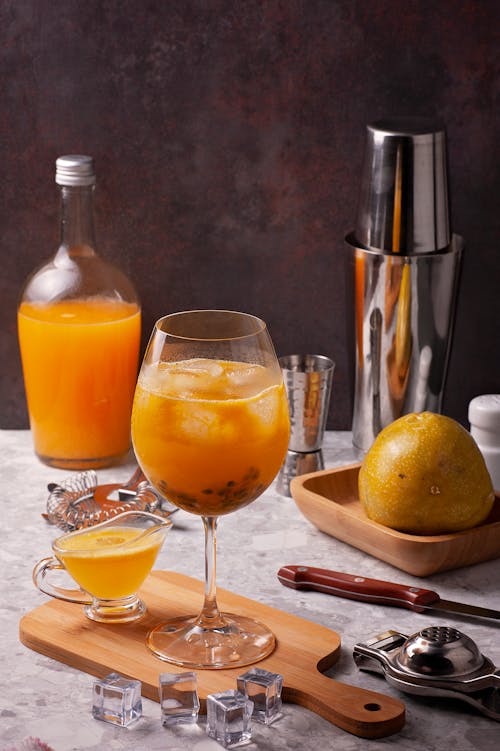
point(360, 711)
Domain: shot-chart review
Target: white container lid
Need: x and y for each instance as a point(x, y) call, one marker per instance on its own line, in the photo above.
point(484, 412)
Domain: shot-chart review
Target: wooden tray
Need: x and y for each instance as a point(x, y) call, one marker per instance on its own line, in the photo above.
point(62, 631)
point(329, 499)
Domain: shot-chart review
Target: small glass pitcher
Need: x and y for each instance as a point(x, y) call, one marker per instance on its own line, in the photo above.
point(109, 562)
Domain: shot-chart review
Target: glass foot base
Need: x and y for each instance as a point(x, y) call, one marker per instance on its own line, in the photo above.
point(239, 641)
point(116, 611)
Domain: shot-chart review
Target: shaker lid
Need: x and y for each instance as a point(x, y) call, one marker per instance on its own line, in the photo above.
point(403, 204)
point(414, 128)
point(75, 169)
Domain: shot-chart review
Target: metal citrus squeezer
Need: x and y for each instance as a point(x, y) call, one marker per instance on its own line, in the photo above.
point(437, 661)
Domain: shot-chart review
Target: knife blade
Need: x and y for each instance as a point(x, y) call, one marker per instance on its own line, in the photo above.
point(377, 592)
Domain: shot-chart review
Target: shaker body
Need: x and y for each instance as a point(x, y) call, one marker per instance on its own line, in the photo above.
point(403, 309)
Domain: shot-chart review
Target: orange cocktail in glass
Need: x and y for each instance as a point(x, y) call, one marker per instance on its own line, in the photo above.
point(210, 434)
point(210, 429)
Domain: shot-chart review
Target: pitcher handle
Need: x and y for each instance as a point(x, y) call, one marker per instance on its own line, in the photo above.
point(41, 571)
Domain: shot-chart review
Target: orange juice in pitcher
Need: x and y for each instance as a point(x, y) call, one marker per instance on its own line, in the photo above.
point(79, 323)
point(110, 562)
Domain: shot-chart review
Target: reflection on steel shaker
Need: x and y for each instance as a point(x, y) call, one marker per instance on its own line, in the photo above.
point(404, 267)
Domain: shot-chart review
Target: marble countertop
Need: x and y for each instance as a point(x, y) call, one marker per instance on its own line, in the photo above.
point(44, 698)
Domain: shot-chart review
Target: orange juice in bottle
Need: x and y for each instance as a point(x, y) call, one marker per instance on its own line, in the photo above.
point(79, 324)
point(210, 435)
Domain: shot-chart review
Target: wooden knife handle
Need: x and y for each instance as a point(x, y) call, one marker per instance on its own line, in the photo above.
point(357, 587)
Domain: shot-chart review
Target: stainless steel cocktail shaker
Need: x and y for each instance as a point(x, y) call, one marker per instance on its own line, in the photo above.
point(403, 272)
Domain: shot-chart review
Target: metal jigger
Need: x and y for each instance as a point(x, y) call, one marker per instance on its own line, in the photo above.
point(308, 383)
point(404, 265)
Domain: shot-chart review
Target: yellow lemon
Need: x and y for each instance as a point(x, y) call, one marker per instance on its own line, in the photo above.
point(424, 474)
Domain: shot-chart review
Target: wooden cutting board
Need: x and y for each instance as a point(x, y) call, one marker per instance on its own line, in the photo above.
point(61, 630)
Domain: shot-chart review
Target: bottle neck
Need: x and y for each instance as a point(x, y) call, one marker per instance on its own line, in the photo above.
point(77, 221)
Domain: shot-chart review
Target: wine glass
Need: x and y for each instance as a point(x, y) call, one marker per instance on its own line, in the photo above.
point(210, 429)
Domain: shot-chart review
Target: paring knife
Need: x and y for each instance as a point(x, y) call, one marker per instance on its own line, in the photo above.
point(378, 592)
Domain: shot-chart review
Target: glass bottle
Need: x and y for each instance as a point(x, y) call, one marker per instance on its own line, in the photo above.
point(79, 323)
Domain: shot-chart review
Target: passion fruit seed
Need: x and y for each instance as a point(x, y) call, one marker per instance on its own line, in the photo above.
point(230, 496)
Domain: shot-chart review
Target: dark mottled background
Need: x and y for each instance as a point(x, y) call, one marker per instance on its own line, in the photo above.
point(228, 139)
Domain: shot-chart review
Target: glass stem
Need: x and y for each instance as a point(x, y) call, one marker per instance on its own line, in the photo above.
point(210, 616)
